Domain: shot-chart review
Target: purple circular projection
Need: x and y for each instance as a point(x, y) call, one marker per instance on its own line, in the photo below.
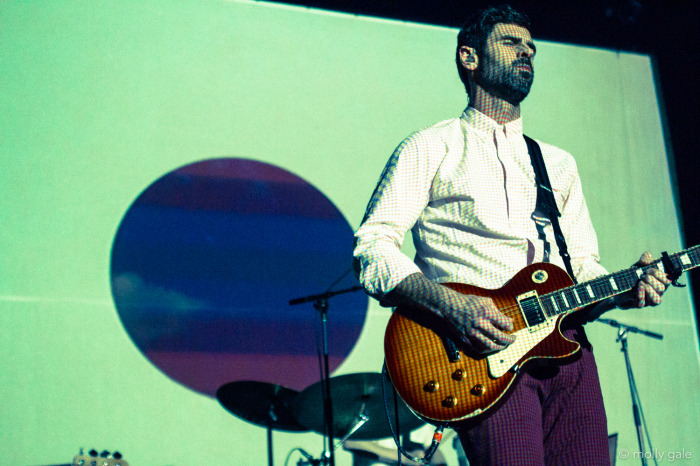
point(204, 265)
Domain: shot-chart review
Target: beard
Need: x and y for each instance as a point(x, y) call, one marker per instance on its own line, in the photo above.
point(507, 82)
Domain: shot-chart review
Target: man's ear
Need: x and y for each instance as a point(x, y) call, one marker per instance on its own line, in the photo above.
point(468, 58)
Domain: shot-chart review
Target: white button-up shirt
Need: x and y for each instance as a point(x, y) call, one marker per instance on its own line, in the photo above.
point(465, 188)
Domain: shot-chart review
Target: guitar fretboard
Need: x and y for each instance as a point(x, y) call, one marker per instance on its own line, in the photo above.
point(578, 296)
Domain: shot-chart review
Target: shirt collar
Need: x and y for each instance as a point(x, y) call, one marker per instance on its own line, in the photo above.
point(485, 125)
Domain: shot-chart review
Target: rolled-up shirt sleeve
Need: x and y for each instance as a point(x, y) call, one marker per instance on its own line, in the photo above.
point(398, 201)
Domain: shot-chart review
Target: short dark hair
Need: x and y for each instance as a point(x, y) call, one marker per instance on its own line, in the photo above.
point(477, 29)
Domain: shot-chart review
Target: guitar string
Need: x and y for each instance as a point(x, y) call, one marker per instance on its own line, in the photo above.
point(514, 310)
point(624, 278)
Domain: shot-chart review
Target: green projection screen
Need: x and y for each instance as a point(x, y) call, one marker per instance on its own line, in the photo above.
point(100, 100)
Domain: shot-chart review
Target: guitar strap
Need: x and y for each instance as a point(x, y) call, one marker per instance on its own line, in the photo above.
point(547, 206)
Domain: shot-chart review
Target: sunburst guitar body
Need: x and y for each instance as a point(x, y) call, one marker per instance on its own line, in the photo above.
point(443, 382)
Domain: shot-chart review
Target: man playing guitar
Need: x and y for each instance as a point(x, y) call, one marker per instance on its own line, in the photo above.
point(465, 188)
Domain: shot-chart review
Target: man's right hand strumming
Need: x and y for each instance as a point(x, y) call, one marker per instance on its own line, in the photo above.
point(479, 323)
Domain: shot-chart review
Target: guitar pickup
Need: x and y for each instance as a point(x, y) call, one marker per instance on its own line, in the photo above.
point(531, 309)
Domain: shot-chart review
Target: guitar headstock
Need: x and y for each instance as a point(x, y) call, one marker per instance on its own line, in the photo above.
point(92, 458)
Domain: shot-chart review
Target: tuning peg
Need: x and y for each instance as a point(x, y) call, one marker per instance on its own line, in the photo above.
point(116, 455)
point(93, 453)
point(105, 454)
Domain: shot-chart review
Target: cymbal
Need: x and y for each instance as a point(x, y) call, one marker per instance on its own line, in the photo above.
point(264, 404)
point(352, 395)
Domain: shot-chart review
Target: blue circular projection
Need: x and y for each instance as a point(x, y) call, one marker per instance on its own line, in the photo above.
point(204, 265)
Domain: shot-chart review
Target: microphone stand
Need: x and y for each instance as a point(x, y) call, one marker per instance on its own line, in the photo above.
point(321, 305)
point(622, 332)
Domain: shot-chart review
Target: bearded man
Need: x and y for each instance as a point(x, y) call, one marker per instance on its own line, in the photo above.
point(466, 189)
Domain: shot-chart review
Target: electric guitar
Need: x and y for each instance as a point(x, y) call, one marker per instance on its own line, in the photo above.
point(443, 382)
point(103, 459)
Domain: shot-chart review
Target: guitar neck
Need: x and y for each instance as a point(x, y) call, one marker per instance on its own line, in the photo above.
point(573, 298)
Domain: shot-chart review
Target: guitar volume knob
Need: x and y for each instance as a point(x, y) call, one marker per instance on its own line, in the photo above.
point(431, 386)
point(478, 390)
point(458, 375)
point(449, 402)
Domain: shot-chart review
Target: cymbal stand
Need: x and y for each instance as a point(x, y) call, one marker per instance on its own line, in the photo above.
point(639, 421)
point(321, 305)
point(362, 419)
point(269, 443)
point(310, 460)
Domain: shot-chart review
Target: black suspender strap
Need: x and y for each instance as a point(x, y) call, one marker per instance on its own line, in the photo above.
point(546, 204)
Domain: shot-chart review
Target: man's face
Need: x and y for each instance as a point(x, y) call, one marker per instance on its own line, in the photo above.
point(505, 68)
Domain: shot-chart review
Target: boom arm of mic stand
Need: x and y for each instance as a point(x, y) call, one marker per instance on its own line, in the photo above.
point(317, 297)
point(629, 328)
